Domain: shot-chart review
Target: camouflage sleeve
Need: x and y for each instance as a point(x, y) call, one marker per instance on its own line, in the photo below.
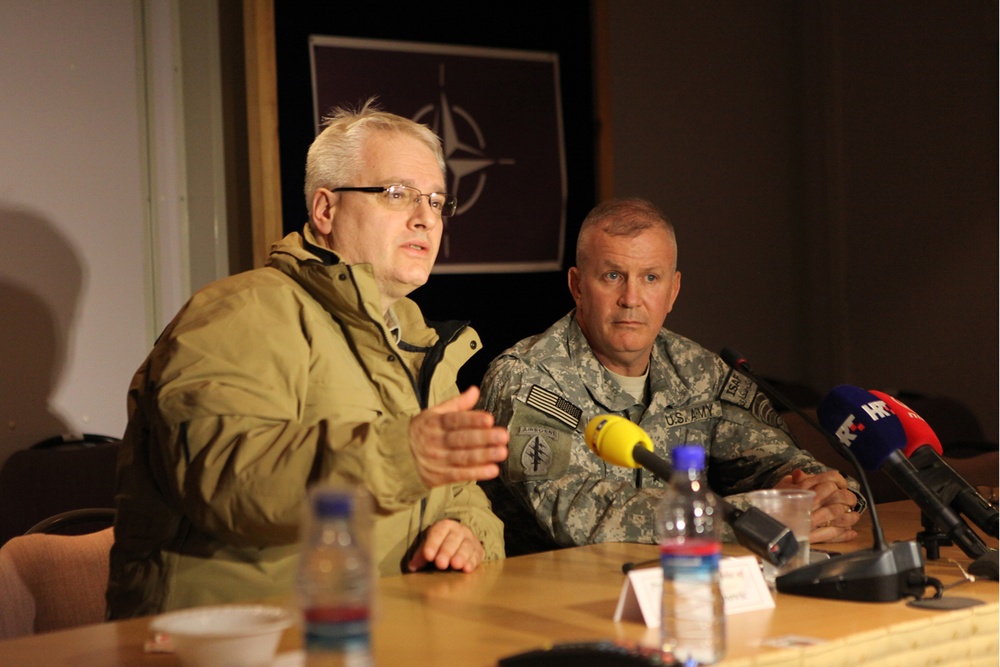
point(752, 448)
point(500, 384)
point(747, 454)
point(574, 496)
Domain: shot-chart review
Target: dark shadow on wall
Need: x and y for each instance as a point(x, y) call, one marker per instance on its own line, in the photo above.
point(41, 278)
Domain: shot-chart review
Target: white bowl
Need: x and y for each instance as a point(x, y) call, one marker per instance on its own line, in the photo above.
point(225, 635)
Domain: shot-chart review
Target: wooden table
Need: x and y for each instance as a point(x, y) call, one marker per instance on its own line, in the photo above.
point(445, 619)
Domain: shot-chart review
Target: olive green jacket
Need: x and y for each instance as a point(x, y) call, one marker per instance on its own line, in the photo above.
point(265, 383)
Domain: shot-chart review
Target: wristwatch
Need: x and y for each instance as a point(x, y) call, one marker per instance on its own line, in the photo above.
point(861, 505)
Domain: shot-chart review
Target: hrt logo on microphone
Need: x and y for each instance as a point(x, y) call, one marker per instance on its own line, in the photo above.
point(877, 410)
point(848, 431)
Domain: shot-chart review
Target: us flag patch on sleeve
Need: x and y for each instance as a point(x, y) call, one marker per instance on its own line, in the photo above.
point(554, 405)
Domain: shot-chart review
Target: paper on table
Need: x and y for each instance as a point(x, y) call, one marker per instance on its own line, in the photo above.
point(742, 583)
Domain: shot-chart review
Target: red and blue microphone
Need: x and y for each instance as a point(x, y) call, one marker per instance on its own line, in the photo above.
point(923, 449)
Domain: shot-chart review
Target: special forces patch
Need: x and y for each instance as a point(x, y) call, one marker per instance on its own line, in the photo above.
point(742, 391)
point(539, 444)
point(536, 456)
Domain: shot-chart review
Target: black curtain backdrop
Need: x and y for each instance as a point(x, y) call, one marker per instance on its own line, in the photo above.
point(503, 307)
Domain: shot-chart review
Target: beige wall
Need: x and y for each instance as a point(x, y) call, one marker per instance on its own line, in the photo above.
point(832, 171)
point(73, 289)
point(111, 209)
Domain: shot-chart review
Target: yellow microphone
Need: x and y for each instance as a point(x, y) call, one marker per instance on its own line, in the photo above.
point(618, 441)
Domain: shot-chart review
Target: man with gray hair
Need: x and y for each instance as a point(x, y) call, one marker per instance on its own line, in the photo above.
point(611, 355)
point(314, 369)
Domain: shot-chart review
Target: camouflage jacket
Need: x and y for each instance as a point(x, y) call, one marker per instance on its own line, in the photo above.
point(548, 387)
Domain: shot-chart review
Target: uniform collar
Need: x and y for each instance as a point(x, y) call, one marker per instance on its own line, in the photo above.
point(666, 388)
point(602, 386)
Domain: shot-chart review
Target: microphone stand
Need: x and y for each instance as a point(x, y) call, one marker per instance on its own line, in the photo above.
point(884, 573)
point(931, 538)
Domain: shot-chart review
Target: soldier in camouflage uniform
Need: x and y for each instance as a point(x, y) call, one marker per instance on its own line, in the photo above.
point(612, 356)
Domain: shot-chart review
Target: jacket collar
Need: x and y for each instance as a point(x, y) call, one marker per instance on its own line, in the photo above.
point(327, 256)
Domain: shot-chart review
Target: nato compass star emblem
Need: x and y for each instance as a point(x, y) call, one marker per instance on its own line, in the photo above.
point(464, 149)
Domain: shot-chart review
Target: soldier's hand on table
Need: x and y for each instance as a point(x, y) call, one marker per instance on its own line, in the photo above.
point(833, 515)
point(451, 442)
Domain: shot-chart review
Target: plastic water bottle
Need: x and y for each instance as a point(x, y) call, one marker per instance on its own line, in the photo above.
point(335, 581)
point(689, 523)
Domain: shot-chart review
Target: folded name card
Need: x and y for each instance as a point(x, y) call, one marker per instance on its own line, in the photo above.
point(742, 583)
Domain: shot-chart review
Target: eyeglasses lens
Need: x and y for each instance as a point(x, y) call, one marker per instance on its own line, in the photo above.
point(403, 197)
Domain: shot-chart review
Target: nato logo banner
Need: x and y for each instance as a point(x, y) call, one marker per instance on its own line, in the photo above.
point(499, 116)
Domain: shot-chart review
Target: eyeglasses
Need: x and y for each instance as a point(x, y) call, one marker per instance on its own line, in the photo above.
point(400, 197)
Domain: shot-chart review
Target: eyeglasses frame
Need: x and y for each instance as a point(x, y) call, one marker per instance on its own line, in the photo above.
point(379, 189)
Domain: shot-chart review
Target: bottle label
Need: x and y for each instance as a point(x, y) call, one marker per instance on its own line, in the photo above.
point(337, 629)
point(690, 558)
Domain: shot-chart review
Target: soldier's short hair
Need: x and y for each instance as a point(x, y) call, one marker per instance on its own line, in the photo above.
point(621, 217)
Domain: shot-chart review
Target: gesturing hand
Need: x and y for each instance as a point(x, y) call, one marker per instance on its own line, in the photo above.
point(451, 442)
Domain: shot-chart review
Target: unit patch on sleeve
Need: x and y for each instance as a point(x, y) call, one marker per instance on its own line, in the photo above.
point(536, 457)
point(554, 405)
point(739, 390)
point(742, 391)
point(539, 444)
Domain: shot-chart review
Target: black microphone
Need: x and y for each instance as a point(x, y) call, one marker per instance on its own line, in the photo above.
point(923, 448)
point(865, 423)
point(623, 443)
point(884, 573)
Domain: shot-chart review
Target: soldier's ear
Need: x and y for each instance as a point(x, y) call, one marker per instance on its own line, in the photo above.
point(573, 279)
point(676, 288)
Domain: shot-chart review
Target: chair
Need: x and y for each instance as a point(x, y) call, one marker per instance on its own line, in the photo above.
point(73, 441)
point(76, 522)
point(55, 476)
point(954, 423)
point(52, 582)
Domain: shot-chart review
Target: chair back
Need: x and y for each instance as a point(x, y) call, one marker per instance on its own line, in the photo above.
point(53, 582)
point(57, 475)
point(76, 522)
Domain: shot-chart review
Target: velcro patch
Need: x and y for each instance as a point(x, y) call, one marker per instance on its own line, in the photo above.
point(697, 413)
point(742, 391)
point(554, 405)
point(739, 390)
point(536, 457)
point(764, 410)
point(539, 445)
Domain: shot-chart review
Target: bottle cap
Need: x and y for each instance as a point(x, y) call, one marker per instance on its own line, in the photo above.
point(689, 457)
point(332, 503)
